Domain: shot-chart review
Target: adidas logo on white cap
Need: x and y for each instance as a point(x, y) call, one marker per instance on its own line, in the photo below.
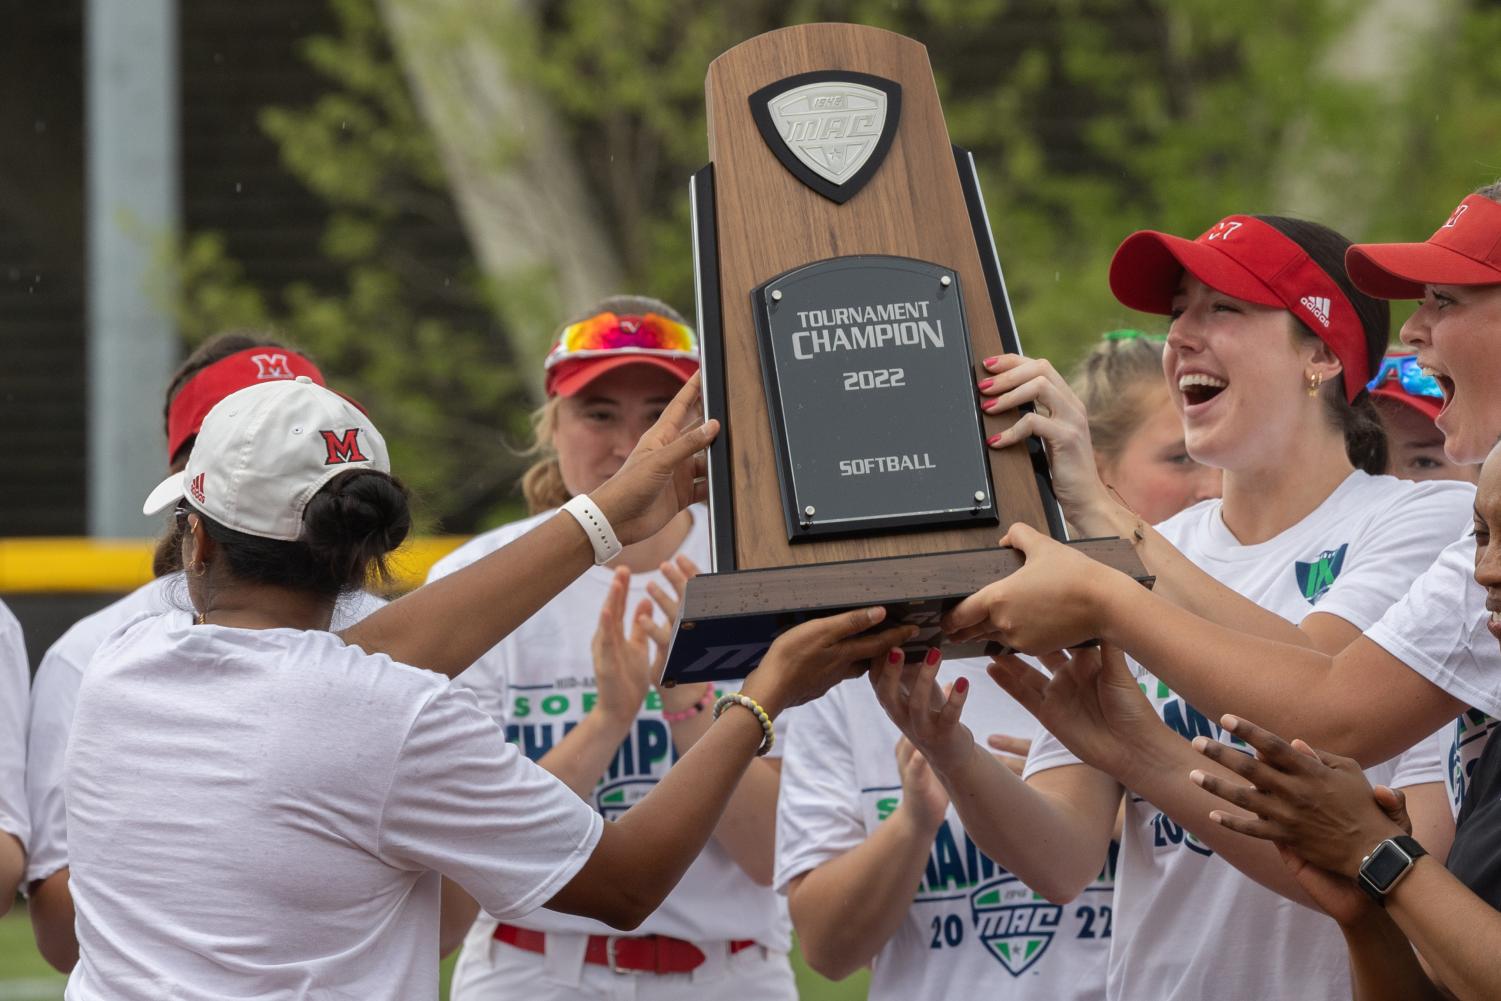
point(1318, 305)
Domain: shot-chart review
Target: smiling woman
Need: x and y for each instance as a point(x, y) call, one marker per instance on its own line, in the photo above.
point(1267, 357)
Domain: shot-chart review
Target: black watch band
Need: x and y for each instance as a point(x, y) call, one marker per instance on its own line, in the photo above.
point(1391, 860)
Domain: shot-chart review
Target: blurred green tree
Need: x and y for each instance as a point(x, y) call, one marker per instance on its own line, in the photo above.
point(1089, 119)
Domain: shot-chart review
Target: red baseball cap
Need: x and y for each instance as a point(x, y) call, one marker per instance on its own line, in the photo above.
point(245, 368)
point(1249, 259)
point(1465, 250)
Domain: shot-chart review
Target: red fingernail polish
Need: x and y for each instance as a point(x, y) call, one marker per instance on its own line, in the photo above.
point(961, 685)
point(985, 383)
point(992, 406)
point(895, 656)
point(994, 439)
point(933, 656)
point(992, 360)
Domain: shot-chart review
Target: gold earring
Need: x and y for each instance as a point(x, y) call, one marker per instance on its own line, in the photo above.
point(197, 569)
point(202, 619)
point(1315, 380)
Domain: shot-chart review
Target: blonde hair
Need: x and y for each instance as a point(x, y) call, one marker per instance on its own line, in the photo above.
point(542, 484)
point(1117, 381)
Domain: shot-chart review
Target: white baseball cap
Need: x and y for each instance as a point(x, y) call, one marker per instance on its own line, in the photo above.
point(264, 451)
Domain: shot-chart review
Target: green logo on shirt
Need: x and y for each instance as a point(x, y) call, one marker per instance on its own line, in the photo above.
point(1016, 925)
point(1315, 579)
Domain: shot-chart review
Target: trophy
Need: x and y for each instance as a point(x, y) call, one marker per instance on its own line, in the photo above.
point(847, 287)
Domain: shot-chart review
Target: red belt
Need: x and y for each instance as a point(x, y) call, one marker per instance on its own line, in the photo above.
point(642, 954)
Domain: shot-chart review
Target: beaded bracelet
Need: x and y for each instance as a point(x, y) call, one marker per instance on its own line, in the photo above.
point(768, 735)
point(704, 702)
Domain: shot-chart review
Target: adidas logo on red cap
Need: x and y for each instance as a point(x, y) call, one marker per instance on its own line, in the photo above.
point(196, 488)
point(1318, 305)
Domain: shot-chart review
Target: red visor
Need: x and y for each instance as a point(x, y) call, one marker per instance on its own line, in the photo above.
point(227, 375)
point(1252, 260)
point(1466, 250)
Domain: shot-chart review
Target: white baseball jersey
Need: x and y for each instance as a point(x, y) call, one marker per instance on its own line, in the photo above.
point(265, 812)
point(1352, 557)
point(54, 695)
point(972, 929)
point(15, 678)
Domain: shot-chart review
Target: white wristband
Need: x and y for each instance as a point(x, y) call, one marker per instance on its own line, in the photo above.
point(596, 526)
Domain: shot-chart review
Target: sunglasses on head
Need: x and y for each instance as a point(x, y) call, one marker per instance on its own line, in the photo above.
point(609, 332)
point(1405, 372)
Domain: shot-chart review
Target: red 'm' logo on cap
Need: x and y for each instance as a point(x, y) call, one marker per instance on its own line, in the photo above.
point(195, 488)
point(271, 366)
point(343, 447)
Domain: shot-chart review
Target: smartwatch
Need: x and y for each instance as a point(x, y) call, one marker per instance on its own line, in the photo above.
point(1384, 868)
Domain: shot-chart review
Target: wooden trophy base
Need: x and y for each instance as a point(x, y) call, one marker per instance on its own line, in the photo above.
point(728, 620)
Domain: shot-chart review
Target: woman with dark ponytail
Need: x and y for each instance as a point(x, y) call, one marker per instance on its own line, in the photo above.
point(1267, 358)
point(261, 807)
point(219, 366)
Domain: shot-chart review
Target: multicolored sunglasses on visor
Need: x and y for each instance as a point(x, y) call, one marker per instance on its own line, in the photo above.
point(609, 334)
point(1405, 372)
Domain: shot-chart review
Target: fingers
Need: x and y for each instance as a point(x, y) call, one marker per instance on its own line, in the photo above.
point(1256, 771)
point(1268, 745)
point(1248, 798)
point(683, 448)
point(886, 681)
point(1019, 746)
point(641, 623)
point(863, 648)
point(953, 704)
point(1049, 429)
point(1008, 372)
point(1010, 674)
point(1253, 827)
point(925, 686)
point(685, 408)
point(612, 613)
point(1393, 803)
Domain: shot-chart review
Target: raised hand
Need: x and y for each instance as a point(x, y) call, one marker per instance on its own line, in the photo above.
point(622, 662)
point(927, 716)
point(664, 472)
point(1316, 803)
point(814, 656)
point(1047, 605)
point(1058, 418)
point(1091, 703)
point(924, 798)
point(678, 571)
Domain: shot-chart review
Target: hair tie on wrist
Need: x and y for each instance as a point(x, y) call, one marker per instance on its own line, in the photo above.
point(705, 701)
point(768, 734)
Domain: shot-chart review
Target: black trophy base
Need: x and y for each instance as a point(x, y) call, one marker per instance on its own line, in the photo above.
point(729, 620)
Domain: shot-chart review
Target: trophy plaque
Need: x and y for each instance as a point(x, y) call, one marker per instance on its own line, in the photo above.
point(847, 288)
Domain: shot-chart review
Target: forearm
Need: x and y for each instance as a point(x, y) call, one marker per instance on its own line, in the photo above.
point(456, 913)
point(1181, 582)
point(747, 831)
point(585, 752)
point(52, 921)
point(1054, 844)
point(1383, 966)
point(1164, 761)
point(1429, 904)
point(12, 870)
point(448, 624)
point(641, 857)
point(1295, 690)
point(846, 910)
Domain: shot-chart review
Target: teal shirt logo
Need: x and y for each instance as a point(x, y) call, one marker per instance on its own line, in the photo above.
point(1315, 578)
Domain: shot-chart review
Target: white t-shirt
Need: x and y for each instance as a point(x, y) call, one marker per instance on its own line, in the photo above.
point(264, 813)
point(972, 929)
point(1439, 630)
point(539, 683)
point(1190, 925)
point(15, 678)
point(54, 694)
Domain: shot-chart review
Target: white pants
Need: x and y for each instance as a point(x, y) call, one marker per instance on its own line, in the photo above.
point(501, 972)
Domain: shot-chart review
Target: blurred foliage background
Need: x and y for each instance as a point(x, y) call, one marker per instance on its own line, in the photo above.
point(565, 132)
